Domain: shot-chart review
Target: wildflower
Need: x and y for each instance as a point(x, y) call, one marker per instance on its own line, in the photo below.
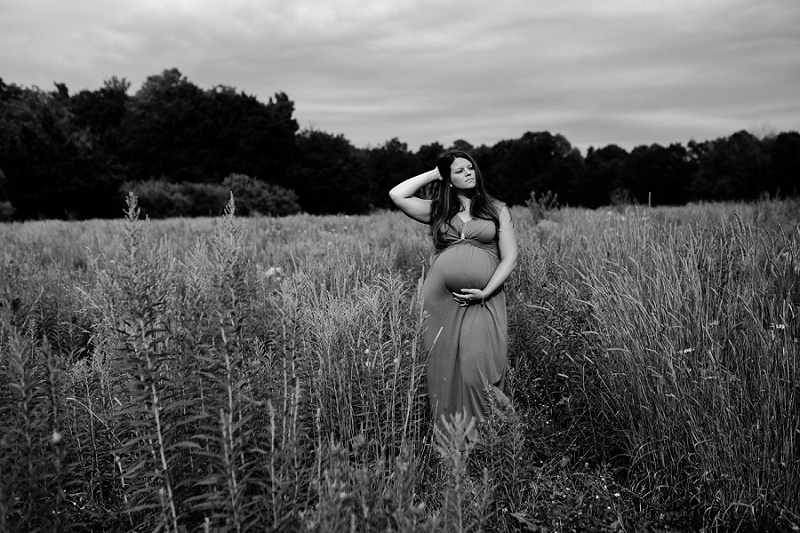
point(687, 350)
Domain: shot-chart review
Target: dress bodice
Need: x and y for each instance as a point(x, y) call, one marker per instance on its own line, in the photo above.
point(477, 232)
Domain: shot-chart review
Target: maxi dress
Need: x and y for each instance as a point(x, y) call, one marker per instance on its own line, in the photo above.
point(467, 346)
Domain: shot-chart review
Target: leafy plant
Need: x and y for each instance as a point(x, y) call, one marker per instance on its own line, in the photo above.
point(538, 206)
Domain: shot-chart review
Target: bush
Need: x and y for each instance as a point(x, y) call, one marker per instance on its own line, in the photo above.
point(6, 211)
point(256, 197)
point(159, 199)
point(205, 199)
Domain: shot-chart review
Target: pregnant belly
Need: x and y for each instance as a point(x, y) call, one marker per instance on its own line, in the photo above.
point(464, 266)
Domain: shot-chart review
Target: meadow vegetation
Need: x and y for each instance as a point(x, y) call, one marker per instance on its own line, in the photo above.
point(254, 374)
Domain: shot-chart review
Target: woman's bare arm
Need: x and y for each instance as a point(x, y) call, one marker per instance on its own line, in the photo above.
point(403, 196)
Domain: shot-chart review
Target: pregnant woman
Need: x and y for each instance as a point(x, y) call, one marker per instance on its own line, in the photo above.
point(466, 330)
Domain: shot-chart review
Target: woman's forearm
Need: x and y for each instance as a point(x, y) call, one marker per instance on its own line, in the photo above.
point(501, 274)
point(407, 188)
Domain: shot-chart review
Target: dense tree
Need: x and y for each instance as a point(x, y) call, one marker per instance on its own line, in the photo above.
point(428, 154)
point(731, 168)
point(538, 162)
point(461, 144)
point(102, 111)
point(658, 175)
point(328, 176)
point(784, 155)
point(603, 179)
point(65, 155)
point(52, 169)
point(179, 132)
point(6, 209)
point(161, 130)
point(389, 164)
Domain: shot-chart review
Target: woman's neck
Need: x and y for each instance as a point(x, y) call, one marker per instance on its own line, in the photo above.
point(465, 197)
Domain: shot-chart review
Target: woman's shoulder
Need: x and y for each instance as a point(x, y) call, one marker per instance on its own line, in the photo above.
point(502, 211)
point(497, 205)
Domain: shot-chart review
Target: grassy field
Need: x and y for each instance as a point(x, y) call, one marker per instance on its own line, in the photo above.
point(239, 374)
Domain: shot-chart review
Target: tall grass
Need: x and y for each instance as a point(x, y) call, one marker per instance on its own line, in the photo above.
point(267, 374)
point(698, 372)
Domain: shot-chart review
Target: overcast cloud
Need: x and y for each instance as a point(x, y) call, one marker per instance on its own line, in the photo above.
point(627, 72)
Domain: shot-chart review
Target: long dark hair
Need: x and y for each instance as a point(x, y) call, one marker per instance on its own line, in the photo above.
point(446, 205)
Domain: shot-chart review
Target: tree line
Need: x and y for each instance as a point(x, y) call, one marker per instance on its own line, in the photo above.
point(183, 149)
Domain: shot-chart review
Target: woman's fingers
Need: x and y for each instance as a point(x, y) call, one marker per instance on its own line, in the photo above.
point(467, 296)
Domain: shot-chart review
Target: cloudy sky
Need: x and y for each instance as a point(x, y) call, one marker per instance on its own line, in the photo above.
point(626, 72)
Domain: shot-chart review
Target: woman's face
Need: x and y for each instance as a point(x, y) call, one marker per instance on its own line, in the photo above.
point(462, 174)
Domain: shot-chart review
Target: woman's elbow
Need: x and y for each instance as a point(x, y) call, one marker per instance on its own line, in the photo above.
point(511, 261)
